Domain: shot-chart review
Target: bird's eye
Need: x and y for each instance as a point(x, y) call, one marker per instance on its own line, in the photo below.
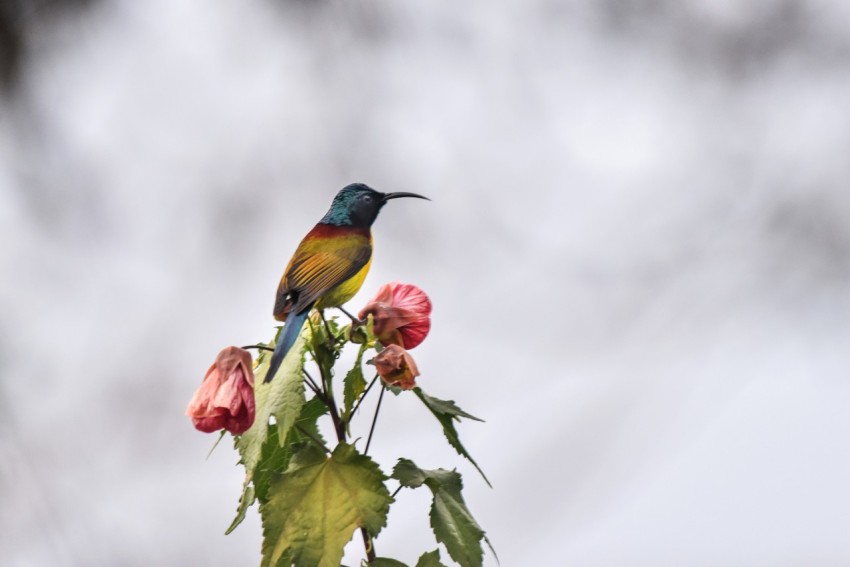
point(367, 198)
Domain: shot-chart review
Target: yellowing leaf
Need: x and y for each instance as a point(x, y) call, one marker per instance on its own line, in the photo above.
point(282, 398)
point(315, 506)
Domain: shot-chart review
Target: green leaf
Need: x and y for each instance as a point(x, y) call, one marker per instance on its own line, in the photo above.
point(408, 474)
point(430, 559)
point(248, 497)
point(282, 398)
point(315, 506)
point(451, 521)
point(386, 562)
point(274, 458)
point(320, 346)
point(354, 385)
point(305, 428)
point(455, 527)
point(358, 334)
point(446, 411)
point(447, 407)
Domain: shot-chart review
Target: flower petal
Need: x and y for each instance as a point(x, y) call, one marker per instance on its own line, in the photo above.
point(396, 367)
point(401, 314)
point(225, 398)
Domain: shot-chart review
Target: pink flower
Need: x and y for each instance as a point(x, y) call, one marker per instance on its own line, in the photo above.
point(396, 367)
point(401, 313)
point(225, 399)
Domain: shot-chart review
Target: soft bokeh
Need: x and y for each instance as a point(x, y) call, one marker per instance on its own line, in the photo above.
point(638, 252)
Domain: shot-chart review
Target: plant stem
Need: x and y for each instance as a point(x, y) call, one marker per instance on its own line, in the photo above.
point(350, 316)
point(339, 425)
point(312, 438)
point(329, 401)
point(368, 544)
point(258, 347)
point(314, 389)
point(374, 420)
point(331, 337)
point(366, 391)
point(311, 382)
point(217, 441)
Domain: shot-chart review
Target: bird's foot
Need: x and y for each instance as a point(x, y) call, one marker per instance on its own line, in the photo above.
point(355, 322)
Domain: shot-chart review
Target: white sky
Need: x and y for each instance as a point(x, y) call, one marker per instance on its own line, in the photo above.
point(638, 251)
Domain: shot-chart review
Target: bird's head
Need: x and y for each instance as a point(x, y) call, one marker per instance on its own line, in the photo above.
point(358, 205)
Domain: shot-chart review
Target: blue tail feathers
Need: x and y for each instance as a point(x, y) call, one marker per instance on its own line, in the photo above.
point(290, 332)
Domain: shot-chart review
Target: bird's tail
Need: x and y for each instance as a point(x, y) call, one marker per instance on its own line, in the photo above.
point(290, 332)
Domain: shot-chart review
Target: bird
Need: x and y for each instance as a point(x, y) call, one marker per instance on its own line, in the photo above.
point(330, 263)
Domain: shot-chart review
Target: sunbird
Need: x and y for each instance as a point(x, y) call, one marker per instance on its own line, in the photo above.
point(330, 264)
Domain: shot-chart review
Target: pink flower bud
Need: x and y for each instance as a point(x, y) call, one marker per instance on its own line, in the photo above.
point(396, 367)
point(225, 399)
point(402, 314)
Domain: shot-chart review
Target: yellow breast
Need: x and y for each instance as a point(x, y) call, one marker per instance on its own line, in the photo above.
point(346, 290)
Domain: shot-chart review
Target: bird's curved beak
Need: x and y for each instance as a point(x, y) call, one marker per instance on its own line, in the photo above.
point(388, 196)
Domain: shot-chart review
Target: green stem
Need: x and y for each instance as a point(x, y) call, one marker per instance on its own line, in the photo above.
point(313, 438)
point(339, 425)
point(374, 420)
point(217, 441)
point(357, 405)
point(311, 382)
point(330, 402)
point(314, 389)
point(331, 337)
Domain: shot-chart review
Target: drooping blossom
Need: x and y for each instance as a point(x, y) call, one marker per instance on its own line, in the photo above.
point(396, 367)
point(401, 314)
point(225, 399)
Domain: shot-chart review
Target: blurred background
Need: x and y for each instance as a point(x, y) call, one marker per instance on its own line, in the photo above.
point(638, 250)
